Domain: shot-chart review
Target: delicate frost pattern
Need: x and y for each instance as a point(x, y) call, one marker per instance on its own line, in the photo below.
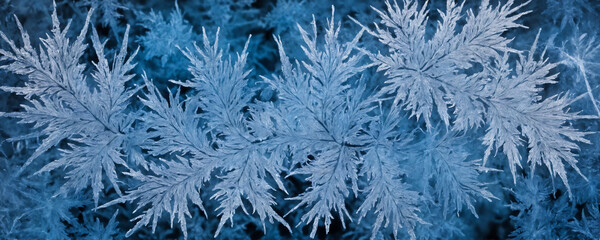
point(374, 128)
point(441, 72)
point(63, 106)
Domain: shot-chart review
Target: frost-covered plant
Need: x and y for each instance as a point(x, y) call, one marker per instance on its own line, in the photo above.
point(28, 209)
point(382, 129)
point(109, 14)
point(319, 118)
point(325, 113)
point(538, 216)
point(589, 226)
point(448, 164)
point(234, 19)
point(163, 35)
point(581, 53)
point(218, 140)
point(441, 72)
point(569, 12)
point(61, 104)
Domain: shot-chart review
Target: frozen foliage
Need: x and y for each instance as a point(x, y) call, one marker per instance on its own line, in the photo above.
point(455, 175)
point(97, 230)
point(581, 53)
point(588, 226)
point(321, 115)
point(108, 11)
point(388, 195)
point(538, 217)
point(384, 123)
point(234, 150)
point(175, 31)
point(179, 179)
point(243, 152)
point(569, 12)
point(324, 122)
point(440, 72)
point(62, 105)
